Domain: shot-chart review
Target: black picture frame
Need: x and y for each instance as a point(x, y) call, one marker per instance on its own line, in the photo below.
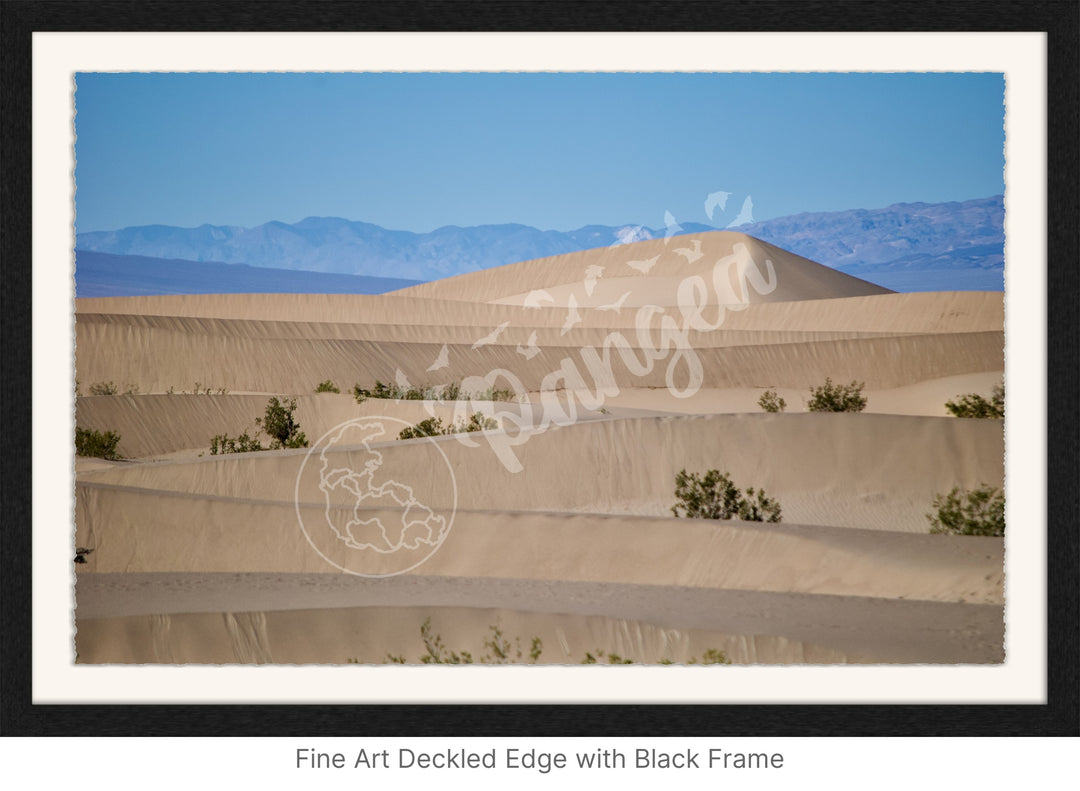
point(1060, 21)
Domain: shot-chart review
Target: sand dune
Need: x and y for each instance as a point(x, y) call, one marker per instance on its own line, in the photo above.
point(873, 471)
point(749, 627)
point(665, 262)
point(155, 360)
point(949, 311)
point(560, 521)
point(802, 559)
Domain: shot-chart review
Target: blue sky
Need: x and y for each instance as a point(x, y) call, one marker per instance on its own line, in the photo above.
point(556, 151)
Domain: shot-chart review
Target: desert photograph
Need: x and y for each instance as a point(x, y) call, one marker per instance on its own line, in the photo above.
point(539, 369)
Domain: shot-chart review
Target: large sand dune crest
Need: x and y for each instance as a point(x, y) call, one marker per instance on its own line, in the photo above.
point(664, 262)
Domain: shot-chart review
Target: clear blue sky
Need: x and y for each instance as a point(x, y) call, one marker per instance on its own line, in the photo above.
point(556, 151)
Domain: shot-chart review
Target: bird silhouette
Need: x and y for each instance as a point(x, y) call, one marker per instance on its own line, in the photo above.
point(691, 255)
point(592, 274)
point(530, 349)
point(616, 305)
point(491, 336)
point(442, 361)
point(535, 298)
point(671, 227)
point(714, 199)
point(643, 266)
point(572, 315)
point(746, 213)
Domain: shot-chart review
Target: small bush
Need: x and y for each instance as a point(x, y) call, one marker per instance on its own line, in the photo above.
point(500, 651)
point(756, 507)
point(200, 389)
point(432, 427)
point(281, 426)
point(278, 423)
point(771, 402)
point(222, 444)
point(103, 388)
point(837, 398)
point(715, 496)
point(450, 392)
point(380, 391)
point(327, 387)
point(712, 657)
point(476, 422)
point(494, 394)
point(975, 405)
point(979, 512)
point(97, 444)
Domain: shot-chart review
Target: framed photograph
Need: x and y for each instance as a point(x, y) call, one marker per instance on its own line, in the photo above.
point(691, 368)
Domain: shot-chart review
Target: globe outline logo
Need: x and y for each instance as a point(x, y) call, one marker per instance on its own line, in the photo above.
point(396, 490)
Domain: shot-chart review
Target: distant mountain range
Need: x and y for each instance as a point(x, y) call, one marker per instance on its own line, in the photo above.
point(907, 247)
point(107, 275)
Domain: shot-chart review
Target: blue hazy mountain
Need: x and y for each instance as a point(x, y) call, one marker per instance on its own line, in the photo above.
point(106, 275)
point(908, 247)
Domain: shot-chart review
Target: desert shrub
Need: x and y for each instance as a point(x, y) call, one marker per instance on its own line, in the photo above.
point(222, 444)
point(431, 427)
point(494, 394)
point(975, 405)
point(103, 388)
point(771, 402)
point(476, 422)
point(437, 653)
point(612, 659)
point(501, 651)
point(837, 398)
point(450, 392)
point(98, 444)
point(979, 512)
point(199, 389)
point(715, 496)
point(280, 425)
point(712, 657)
point(756, 507)
point(327, 387)
point(379, 391)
